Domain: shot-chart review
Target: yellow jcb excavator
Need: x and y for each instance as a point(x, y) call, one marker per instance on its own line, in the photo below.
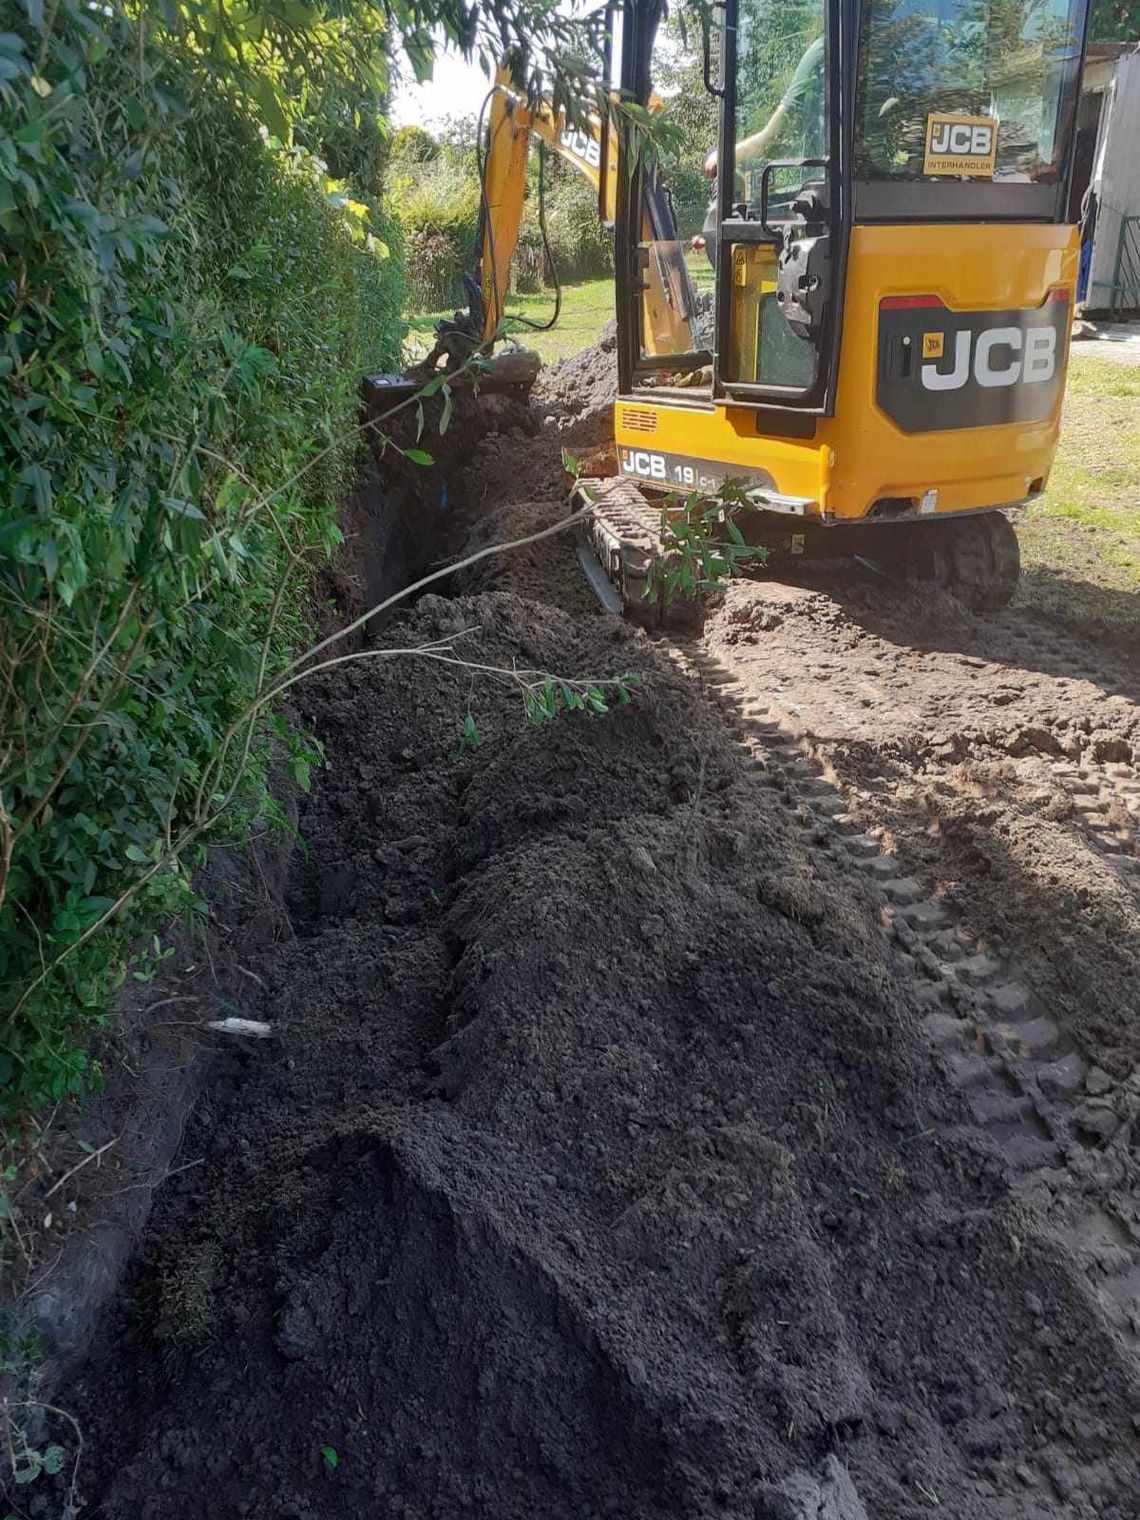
point(880, 362)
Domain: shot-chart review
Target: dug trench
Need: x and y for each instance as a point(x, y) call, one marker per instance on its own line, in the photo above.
point(600, 1162)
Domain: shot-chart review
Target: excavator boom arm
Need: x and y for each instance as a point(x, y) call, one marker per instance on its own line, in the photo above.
point(668, 301)
point(511, 123)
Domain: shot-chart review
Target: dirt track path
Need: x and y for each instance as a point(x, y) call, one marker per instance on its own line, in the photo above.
point(979, 776)
point(704, 1110)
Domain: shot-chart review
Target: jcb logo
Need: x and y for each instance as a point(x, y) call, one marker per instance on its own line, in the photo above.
point(960, 139)
point(960, 145)
point(580, 145)
point(1001, 356)
point(644, 464)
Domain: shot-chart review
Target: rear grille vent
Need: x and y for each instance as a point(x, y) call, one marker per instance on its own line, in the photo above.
point(639, 419)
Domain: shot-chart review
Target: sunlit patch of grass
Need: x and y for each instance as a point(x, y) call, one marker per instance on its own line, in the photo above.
point(586, 308)
point(1080, 543)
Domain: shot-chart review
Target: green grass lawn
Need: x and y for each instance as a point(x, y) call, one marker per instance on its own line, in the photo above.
point(1080, 544)
point(585, 310)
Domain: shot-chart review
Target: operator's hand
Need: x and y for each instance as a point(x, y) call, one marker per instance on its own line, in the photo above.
point(751, 147)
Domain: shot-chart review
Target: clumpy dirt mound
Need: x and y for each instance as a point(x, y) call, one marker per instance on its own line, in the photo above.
point(520, 492)
point(595, 1166)
point(578, 393)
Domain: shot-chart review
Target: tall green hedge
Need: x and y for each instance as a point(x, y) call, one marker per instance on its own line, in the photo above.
point(185, 311)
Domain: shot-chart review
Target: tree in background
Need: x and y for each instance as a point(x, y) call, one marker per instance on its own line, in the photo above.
point(1115, 21)
point(679, 79)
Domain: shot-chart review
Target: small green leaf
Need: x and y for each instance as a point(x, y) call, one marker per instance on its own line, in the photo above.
point(272, 109)
point(331, 1456)
point(40, 481)
point(53, 1459)
point(418, 456)
point(470, 738)
point(31, 1470)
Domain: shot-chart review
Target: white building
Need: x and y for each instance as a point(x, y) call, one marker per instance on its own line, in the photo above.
point(1108, 160)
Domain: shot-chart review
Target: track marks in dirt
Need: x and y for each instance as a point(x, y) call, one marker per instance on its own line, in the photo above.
point(596, 1186)
point(1001, 1022)
point(601, 1166)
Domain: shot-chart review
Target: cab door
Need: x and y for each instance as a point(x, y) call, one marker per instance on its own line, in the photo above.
point(782, 203)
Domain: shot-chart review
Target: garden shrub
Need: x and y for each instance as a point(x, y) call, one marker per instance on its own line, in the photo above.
point(437, 201)
point(582, 248)
point(438, 206)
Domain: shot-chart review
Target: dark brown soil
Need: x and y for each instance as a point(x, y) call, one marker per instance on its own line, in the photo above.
point(597, 1165)
point(577, 395)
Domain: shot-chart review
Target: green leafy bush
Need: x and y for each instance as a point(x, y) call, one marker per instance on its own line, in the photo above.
point(436, 195)
point(187, 308)
point(412, 145)
point(582, 248)
point(438, 206)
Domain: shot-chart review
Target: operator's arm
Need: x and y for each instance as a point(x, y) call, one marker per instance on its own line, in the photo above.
point(753, 147)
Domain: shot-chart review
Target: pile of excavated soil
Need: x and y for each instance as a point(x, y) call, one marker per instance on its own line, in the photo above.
point(596, 1165)
point(577, 395)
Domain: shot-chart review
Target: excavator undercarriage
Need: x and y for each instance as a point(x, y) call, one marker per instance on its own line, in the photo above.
point(974, 557)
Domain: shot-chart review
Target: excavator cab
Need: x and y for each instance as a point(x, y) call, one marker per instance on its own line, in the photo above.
point(884, 296)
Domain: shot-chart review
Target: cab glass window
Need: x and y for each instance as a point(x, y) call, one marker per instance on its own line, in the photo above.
point(781, 89)
point(925, 65)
